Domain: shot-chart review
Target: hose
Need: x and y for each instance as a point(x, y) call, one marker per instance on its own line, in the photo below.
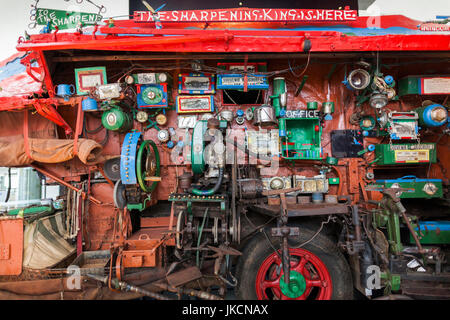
point(8, 193)
point(211, 191)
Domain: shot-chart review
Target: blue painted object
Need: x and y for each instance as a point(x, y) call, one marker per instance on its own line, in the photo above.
point(240, 113)
point(65, 90)
point(89, 104)
point(170, 144)
point(389, 80)
point(317, 197)
point(128, 158)
point(425, 116)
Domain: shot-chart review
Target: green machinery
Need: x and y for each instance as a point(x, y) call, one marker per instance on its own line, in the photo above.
point(116, 119)
point(300, 130)
point(408, 153)
point(198, 145)
point(433, 232)
point(421, 188)
point(423, 85)
point(303, 138)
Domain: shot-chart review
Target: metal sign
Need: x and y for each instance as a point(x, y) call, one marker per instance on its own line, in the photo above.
point(248, 15)
point(65, 19)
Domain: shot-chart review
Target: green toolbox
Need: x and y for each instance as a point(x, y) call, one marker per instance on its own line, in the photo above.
point(423, 188)
point(424, 85)
point(408, 153)
point(433, 232)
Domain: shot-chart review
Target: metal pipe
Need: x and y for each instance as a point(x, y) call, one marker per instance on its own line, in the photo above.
point(122, 285)
point(68, 185)
point(416, 239)
point(163, 286)
point(191, 292)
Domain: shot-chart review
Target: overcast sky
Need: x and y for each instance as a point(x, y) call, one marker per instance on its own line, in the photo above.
point(14, 14)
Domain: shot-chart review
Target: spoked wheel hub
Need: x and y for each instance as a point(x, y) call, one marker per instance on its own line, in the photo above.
point(309, 278)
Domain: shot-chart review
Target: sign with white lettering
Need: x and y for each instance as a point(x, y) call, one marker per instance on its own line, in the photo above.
point(248, 15)
point(65, 19)
point(302, 113)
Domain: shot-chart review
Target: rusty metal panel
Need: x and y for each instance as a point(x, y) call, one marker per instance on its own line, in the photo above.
point(148, 222)
point(184, 276)
point(139, 258)
point(11, 246)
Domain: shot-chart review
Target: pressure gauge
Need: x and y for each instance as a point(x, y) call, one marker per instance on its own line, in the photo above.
point(163, 135)
point(129, 79)
point(142, 116)
point(162, 77)
point(276, 183)
point(430, 189)
point(249, 114)
point(161, 119)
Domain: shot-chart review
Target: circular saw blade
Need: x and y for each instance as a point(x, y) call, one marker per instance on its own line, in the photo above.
point(119, 196)
point(112, 169)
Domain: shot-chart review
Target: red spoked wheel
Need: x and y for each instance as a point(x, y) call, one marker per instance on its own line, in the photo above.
point(309, 278)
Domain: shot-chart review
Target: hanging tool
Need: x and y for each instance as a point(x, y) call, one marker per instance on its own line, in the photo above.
point(283, 230)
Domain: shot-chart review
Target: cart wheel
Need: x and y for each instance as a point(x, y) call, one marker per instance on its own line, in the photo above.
point(319, 271)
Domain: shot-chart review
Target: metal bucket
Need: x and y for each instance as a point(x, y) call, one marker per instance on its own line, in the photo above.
point(264, 115)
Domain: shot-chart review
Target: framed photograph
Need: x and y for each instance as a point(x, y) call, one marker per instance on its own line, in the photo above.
point(88, 78)
point(196, 83)
point(195, 104)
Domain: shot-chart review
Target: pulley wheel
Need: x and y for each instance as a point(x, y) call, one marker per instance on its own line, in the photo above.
point(147, 166)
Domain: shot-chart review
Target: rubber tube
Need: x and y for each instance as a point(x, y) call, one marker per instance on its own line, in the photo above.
point(212, 191)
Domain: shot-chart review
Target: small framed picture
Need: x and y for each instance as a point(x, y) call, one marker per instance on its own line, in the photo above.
point(88, 78)
point(195, 104)
point(196, 83)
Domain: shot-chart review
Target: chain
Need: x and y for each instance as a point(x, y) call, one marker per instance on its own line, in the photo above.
point(33, 14)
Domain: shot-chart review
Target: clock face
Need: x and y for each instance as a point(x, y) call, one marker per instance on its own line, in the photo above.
point(187, 121)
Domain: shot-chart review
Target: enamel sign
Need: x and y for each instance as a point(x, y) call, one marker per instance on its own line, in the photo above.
point(248, 15)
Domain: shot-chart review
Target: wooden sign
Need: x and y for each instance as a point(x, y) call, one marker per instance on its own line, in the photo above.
point(88, 78)
point(65, 19)
point(248, 15)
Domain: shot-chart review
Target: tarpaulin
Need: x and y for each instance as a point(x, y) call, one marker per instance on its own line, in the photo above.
point(13, 154)
point(44, 245)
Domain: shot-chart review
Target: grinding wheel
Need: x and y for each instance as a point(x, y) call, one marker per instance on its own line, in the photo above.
point(112, 169)
point(120, 200)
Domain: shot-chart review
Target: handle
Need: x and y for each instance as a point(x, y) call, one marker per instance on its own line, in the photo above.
point(408, 177)
point(144, 237)
point(73, 87)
